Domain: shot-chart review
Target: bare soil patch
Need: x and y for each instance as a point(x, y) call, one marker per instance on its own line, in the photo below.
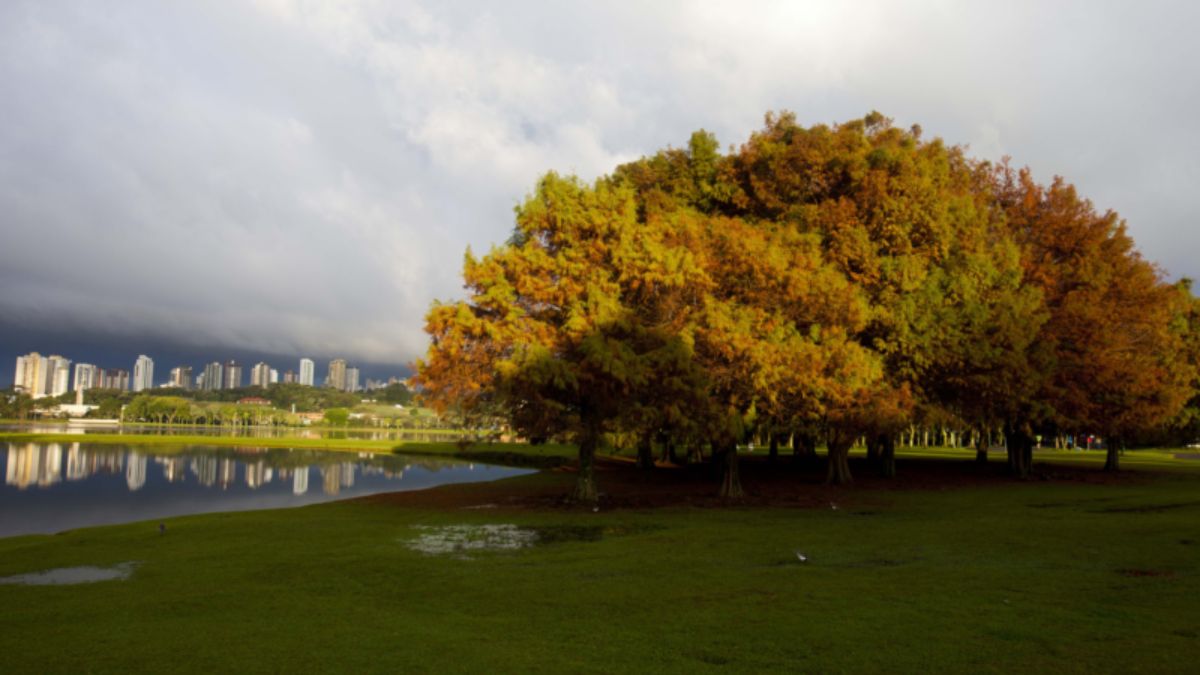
point(784, 484)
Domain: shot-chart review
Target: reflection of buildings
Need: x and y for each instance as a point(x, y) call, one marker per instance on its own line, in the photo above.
point(205, 469)
point(227, 473)
point(84, 463)
point(135, 471)
point(258, 474)
point(300, 481)
point(77, 464)
point(30, 464)
point(331, 479)
point(173, 468)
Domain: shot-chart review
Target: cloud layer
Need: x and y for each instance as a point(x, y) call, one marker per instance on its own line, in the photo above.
point(295, 176)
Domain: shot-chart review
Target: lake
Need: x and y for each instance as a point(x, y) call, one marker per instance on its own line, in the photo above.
point(51, 487)
point(364, 433)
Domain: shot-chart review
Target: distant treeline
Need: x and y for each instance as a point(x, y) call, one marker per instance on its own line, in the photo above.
point(282, 396)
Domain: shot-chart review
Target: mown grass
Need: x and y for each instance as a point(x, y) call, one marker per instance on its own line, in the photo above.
point(1025, 577)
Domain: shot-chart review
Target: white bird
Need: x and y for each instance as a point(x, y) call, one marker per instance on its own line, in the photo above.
point(833, 506)
point(801, 557)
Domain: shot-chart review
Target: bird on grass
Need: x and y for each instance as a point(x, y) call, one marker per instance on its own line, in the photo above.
point(162, 528)
point(801, 557)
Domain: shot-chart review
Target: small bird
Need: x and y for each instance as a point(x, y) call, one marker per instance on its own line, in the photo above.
point(833, 506)
point(801, 557)
point(162, 528)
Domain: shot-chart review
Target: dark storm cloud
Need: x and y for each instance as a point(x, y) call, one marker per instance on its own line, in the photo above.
point(296, 177)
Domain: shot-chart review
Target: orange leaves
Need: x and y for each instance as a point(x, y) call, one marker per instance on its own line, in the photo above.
point(840, 273)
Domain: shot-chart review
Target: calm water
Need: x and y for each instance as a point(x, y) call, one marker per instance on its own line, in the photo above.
point(378, 434)
point(50, 487)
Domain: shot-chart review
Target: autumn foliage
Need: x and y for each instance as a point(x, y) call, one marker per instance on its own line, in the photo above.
point(830, 283)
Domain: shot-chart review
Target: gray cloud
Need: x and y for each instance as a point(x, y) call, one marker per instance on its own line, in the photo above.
point(304, 176)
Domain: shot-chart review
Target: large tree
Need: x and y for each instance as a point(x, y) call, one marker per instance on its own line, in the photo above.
point(1113, 332)
point(564, 328)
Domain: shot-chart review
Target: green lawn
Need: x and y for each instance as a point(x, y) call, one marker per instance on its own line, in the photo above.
point(1034, 576)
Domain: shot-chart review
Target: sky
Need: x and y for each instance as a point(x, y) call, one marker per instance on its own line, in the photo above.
point(286, 178)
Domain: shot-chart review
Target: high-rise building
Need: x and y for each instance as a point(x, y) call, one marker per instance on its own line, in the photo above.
point(87, 376)
point(58, 375)
point(289, 377)
point(143, 373)
point(233, 375)
point(274, 379)
point(113, 378)
point(181, 376)
point(260, 375)
point(214, 376)
point(351, 379)
point(336, 377)
point(31, 375)
point(307, 370)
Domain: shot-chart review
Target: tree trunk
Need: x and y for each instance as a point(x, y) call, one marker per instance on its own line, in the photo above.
point(645, 452)
point(669, 453)
point(981, 450)
point(1020, 449)
point(838, 462)
point(804, 450)
point(872, 450)
point(731, 484)
point(1112, 460)
point(585, 483)
point(887, 456)
point(773, 453)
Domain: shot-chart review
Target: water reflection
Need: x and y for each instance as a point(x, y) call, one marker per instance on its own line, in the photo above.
point(98, 484)
point(364, 433)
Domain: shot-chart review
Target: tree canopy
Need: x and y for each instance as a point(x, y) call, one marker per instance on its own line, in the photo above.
point(836, 282)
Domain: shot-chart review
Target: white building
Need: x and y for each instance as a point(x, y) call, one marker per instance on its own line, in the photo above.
point(307, 370)
point(58, 377)
point(143, 373)
point(87, 376)
point(181, 377)
point(214, 374)
point(260, 375)
point(30, 377)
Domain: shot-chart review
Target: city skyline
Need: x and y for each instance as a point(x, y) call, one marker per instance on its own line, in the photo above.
point(52, 375)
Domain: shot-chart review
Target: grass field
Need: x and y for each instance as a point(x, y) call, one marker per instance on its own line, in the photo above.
point(1062, 575)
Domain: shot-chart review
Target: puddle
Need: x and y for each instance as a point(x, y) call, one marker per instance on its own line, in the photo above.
point(462, 539)
point(65, 576)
